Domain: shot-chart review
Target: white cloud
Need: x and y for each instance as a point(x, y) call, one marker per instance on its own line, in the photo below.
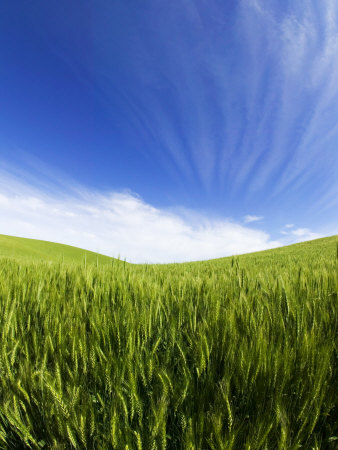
point(305, 234)
point(121, 224)
point(249, 218)
point(299, 234)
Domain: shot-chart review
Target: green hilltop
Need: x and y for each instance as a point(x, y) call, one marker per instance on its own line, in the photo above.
point(44, 251)
point(38, 251)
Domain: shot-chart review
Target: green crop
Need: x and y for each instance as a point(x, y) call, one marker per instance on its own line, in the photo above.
point(235, 353)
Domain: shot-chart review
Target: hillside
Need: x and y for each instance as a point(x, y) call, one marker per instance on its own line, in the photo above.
point(309, 250)
point(234, 353)
point(36, 250)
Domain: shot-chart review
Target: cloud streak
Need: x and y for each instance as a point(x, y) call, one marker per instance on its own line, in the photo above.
point(302, 56)
point(253, 98)
point(262, 121)
point(250, 218)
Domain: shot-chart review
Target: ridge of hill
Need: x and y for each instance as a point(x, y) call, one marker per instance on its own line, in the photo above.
point(38, 250)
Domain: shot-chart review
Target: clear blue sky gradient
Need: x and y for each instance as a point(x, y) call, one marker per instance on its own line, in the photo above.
point(229, 107)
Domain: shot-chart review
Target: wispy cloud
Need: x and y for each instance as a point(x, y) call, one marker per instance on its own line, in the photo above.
point(120, 223)
point(235, 97)
point(249, 218)
point(262, 121)
point(303, 234)
point(302, 57)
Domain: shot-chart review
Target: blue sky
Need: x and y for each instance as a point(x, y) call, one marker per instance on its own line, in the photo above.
point(221, 117)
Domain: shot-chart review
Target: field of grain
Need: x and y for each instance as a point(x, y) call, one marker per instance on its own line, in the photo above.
point(235, 353)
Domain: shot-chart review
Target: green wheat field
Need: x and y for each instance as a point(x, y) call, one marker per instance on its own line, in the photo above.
point(233, 353)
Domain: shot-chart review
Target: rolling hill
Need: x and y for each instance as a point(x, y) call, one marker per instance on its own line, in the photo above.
point(233, 353)
point(36, 250)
